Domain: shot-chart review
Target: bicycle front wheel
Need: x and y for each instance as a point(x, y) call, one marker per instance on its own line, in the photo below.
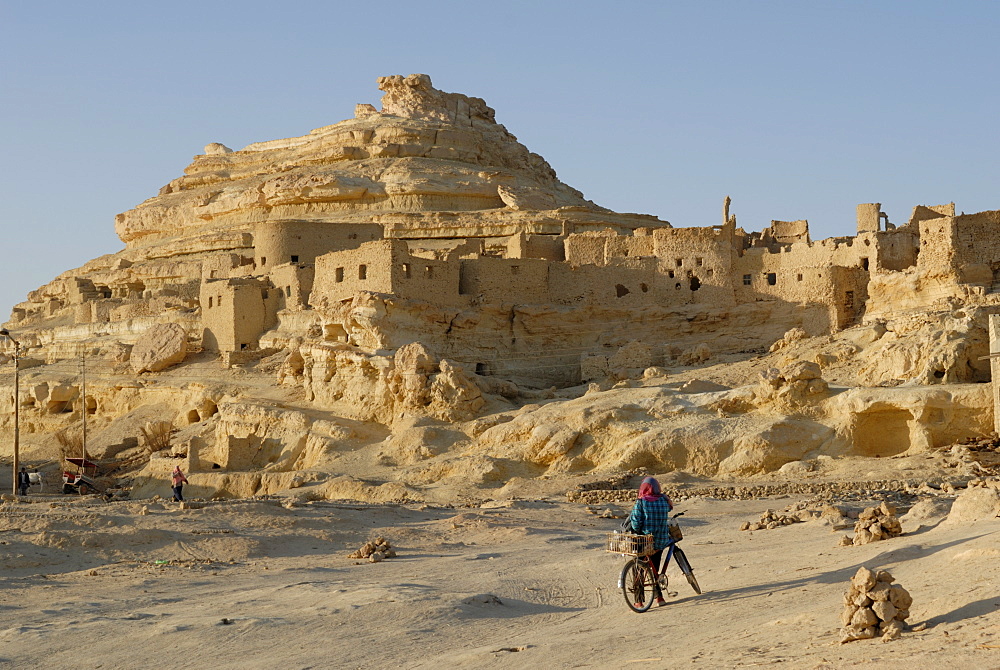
point(638, 584)
point(682, 563)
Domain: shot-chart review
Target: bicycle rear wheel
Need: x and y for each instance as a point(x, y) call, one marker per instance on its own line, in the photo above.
point(682, 563)
point(638, 584)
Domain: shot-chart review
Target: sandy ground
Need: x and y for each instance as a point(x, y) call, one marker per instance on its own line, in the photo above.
point(509, 584)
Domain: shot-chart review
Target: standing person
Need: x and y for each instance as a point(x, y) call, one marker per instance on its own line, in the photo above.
point(178, 481)
point(649, 517)
point(23, 482)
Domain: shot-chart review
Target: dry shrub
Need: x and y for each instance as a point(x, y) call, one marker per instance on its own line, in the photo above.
point(155, 436)
point(70, 441)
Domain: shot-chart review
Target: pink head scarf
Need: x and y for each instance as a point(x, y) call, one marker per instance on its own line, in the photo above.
point(649, 490)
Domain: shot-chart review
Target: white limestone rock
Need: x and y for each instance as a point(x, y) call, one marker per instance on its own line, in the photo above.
point(520, 198)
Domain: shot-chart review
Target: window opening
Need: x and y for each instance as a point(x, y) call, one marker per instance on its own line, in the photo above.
point(209, 301)
point(698, 262)
point(295, 259)
point(621, 291)
point(362, 272)
point(643, 288)
point(429, 272)
point(747, 280)
point(288, 291)
point(339, 274)
point(772, 279)
point(864, 263)
point(679, 261)
point(263, 260)
point(695, 284)
point(406, 270)
point(798, 277)
point(849, 300)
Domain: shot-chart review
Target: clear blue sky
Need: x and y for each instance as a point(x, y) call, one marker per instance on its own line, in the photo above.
point(795, 109)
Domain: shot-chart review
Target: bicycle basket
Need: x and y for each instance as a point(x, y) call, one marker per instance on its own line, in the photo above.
point(675, 531)
point(630, 544)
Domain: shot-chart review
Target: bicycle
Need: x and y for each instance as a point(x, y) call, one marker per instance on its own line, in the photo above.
point(637, 580)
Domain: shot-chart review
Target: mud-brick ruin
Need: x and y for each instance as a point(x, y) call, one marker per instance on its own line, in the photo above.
point(418, 260)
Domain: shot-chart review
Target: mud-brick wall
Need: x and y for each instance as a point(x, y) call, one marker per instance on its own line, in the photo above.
point(294, 284)
point(937, 247)
point(424, 279)
point(626, 283)
point(705, 254)
point(897, 249)
point(280, 242)
point(586, 249)
point(842, 291)
point(759, 272)
point(235, 314)
point(342, 274)
point(504, 280)
point(977, 246)
point(549, 247)
point(621, 246)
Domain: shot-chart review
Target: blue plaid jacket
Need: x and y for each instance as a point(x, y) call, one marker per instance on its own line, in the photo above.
point(652, 517)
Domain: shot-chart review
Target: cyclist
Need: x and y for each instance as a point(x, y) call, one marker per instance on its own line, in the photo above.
point(650, 516)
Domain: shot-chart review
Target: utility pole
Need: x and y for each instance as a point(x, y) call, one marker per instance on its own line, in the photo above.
point(17, 405)
point(83, 364)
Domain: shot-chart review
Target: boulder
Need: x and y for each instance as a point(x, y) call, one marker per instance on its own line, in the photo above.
point(863, 579)
point(790, 336)
point(804, 370)
point(160, 347)
point(884, 610)
point(864, 617)
point(974, 504)
point(701, 386)
point(518, 198)
point(695, 355)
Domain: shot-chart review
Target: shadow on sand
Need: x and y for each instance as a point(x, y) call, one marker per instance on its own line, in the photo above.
point(839, 576)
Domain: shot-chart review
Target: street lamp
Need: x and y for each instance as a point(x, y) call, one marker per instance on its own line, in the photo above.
point(17, 403)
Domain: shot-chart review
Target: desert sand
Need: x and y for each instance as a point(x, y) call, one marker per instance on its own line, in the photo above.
point(506, 582)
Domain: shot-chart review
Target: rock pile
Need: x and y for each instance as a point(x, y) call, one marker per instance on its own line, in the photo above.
point(771, 519)
point(375, 550)
point(873, 524)
point(873, 605)
point(799, 383)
